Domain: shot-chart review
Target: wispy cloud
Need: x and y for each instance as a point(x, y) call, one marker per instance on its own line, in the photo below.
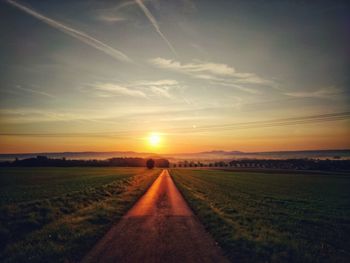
point(30, 115)
point(200, 68)
point(110, 89)
point(42, 93)
point(228, 83)
point(116, 13)
point(217, 73)
point(322, 93)
point(22, 115)
point(155, 24)
point(110, 18)
point(141, 89)
point(85, 38)
point(123, 5)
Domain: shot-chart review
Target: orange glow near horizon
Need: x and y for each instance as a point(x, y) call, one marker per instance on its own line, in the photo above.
point(162, 143)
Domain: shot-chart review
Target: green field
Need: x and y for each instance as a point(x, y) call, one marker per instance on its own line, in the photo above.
point(57, 214)
point(262, 217)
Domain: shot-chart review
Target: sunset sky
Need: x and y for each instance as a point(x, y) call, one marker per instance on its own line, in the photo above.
point(200, 75)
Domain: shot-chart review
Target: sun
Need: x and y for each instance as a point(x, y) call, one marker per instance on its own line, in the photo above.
point(154, 139)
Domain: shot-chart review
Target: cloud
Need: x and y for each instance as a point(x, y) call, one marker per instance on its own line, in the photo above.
point(154, 22)
point(142, 89)
point(85, 38)
point(23, 115)
point(42, 93)
point(217, 73)
point(227, 83)
point(323, 93)
point(162, 82)
point(200, 69)
point(30, 115)
point(160, 88)
point(114, 14)
point(110, 89)
point(123, 5)
point(110, 18)
point(161, 91)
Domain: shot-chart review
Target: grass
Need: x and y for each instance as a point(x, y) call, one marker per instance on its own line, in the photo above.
point(262, 217)
point(57, 214)
point(20, 184)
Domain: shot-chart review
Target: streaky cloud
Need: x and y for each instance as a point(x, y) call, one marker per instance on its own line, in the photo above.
point(118, 89)
point(216, 73)
point(110, 18)
point(208, 68)
point(85, 38)
point(323, 93)
point(141, 89)
point(42, 93)
point(155, 24)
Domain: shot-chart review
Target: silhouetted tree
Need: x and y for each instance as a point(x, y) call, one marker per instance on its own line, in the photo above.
point(163, 163)
point(150, 164)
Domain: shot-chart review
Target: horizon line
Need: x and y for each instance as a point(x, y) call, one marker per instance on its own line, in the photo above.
point(200, 152)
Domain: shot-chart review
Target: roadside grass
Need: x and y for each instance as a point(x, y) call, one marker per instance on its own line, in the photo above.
point(20, 184)
point(64, 225)
point(261, 217)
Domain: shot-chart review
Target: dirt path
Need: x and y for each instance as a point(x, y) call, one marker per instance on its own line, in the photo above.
point(160, 227)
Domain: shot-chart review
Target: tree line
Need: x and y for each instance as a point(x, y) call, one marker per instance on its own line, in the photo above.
point(44, 161)
point(292, 164)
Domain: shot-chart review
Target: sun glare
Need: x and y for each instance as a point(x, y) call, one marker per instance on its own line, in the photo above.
point(154, 139)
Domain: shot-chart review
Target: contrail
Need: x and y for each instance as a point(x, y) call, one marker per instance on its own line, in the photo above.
point(89, 40)
point(154, 22)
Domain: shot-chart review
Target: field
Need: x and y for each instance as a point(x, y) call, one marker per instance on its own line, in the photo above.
point(57, 214)
point(264, 217)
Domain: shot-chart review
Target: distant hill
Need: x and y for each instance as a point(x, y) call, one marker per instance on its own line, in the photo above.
point(220, 152)
point(208, 155)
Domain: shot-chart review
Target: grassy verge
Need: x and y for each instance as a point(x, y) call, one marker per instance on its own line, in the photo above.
point(63, 227)
point(259, 217)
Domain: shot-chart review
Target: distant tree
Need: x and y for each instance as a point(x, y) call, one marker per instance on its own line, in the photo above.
point(163, 163)
point(150, 164)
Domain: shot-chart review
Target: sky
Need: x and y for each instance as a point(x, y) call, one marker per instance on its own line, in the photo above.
point(197, 75)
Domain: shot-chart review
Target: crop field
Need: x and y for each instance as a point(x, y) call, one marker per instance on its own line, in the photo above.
point(57, 214)
point(262, 217)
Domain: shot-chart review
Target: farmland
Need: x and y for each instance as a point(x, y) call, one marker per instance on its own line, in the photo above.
point(265, 217)
point(57, 214)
